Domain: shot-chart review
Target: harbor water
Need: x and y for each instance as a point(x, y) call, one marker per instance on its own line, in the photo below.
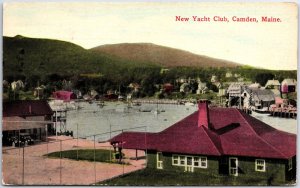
point(91, 119)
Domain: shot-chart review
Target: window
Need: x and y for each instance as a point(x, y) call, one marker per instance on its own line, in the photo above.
point(196, 162)
point(175, 160)
point(203, 162)
point(189, 164)
point(189, 161)
point(233, 166)
point(260, 165)
point(290, 164)
point(182, 160)
point(159, 164)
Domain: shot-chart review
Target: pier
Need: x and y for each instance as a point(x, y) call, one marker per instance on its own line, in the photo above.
point(284, 112)
point(155, 101)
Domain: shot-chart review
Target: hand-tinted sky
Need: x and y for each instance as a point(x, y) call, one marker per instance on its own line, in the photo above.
point(267, 45)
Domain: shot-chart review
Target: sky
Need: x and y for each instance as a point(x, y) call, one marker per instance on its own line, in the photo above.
point(271, 45)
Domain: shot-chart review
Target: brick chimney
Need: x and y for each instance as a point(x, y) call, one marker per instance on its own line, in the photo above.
point(203, 116)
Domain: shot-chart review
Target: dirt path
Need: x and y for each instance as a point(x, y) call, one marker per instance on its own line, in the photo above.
point(40, 170)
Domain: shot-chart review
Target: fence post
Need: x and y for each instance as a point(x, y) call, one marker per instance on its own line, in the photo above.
point(146, 146)
point(77, 141)
point(121, 154)
point(23, 169)
point(60, 167)
point(95, 158)
point(110, 139)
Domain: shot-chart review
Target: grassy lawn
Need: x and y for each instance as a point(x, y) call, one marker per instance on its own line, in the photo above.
point(84, 154)
point(153, 177)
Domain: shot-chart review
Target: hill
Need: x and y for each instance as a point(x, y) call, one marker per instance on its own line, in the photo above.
point(30, 56)
point(160, 55)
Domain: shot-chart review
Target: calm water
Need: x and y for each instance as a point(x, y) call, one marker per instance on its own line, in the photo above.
point(284, 124)
point(92, 119)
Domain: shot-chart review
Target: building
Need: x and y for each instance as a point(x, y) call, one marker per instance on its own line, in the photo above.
point(236, 75)
point(228, 75)
point(33, 117)
point(213, 79)
point(288, 85)
point(39, 91)
point(66, 96)
point(135, 87)
point(202, 88)
point(272, 84)
point(258, 99)
point(168, 88)
point(218, 141)
point(255, 85)
point(234, 91)
point(184, 88)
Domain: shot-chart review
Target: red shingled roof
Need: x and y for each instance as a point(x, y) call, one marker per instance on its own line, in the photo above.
point(26, 108)
point(230, 132)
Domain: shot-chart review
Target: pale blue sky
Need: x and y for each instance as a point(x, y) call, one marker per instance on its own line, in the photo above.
point(267, 45)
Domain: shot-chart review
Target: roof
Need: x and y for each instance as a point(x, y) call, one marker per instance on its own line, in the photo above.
point(289, 81)
point(64, 95)
point(26, 108)
point(236, 133)
point(263, 94)
point(254, 85)
point(272, 82)
point(18, 123)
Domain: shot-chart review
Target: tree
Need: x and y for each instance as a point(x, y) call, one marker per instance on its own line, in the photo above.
point(262, 78)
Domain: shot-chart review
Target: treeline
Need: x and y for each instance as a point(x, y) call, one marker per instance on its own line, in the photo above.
point(149, 78)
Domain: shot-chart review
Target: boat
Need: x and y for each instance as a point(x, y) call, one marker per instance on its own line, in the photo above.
point(189, 104)
point(156, 111)
point(136, 104)
point(264, 110)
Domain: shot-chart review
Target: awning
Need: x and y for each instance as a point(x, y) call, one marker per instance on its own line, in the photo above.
point(18, 123)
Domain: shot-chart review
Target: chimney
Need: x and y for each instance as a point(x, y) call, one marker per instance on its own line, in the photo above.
point(203, 116)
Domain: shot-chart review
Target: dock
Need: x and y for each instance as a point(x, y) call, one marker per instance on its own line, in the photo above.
point(155, 101)
point(284, 112)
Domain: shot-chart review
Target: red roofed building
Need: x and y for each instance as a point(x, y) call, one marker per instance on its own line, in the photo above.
point(26, 116)
point(64, 95)
point(218, 141)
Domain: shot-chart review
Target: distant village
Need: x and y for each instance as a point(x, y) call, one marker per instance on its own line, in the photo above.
point(272, 97)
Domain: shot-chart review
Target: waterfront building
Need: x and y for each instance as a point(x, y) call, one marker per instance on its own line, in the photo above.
point(234, 91)
point(28, 116)
point(259, 99)
point(64, 95)
point(218, 141)
point(288, 85)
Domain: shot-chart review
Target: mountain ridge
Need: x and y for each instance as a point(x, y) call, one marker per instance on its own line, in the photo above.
point(161, 55)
